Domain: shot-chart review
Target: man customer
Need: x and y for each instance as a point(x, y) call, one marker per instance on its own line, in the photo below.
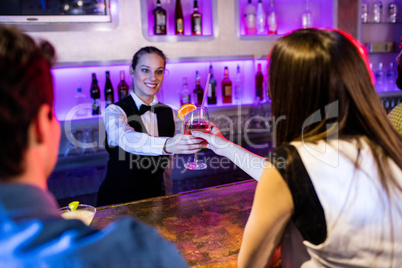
point(32, 233)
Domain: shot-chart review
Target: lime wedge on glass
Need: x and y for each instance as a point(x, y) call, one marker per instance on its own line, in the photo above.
point(73, 205)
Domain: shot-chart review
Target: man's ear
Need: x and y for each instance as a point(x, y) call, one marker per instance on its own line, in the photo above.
point(42, 123)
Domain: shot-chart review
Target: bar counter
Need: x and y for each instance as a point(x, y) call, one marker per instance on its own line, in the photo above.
point(206, 225)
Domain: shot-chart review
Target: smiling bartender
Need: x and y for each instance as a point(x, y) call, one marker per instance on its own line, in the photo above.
point(140, 136)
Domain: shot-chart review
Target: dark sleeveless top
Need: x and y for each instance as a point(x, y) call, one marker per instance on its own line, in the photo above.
point(131, 177)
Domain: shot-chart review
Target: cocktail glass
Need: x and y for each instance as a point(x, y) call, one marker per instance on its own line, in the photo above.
point(85, 213)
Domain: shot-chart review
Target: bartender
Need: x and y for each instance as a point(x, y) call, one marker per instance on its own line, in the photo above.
point(140, 136)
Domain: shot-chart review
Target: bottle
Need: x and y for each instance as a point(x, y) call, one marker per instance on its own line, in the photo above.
point(198, 91)
point(79, 100)
point(249, 18)
point(392, 12)
point(211, 87)
point(306, 16)
point(391, 76)
point(109, 96)
point(379, 76)
point(185, 96)
point(272, 20)
point(226, 87)
point(160, 19)
point(259, 80)
point(364, 16)
point(261, 18)
point(123, 87)
point(178, 19)
point(196, 20)
point(377, 12)
point(95, 95)
point(238, 85)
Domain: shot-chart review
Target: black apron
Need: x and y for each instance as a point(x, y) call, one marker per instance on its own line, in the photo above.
point(131, 177)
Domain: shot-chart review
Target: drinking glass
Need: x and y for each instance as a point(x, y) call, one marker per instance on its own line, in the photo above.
point(85, 213)
point(197, 120)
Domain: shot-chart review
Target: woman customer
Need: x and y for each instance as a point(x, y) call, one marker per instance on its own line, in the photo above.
point(331, 195)
point(140, 136)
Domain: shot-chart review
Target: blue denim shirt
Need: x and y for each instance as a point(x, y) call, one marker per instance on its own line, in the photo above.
point(33, 234)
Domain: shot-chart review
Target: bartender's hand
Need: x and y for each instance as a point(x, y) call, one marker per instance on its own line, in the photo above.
point(184, 144)
point(216, 141)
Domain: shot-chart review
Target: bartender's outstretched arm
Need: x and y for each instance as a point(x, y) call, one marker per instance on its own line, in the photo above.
point(184, 144)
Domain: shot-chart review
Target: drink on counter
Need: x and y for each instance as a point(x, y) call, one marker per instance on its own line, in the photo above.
point(109, 95)
point(178, 19)
point(198, 91)
point(196, 20)
point(226, 87)
point(84, 213)
point(250, 18)
point(122, 88)
point(211, 87)
point(160, 19)
point(95, 95)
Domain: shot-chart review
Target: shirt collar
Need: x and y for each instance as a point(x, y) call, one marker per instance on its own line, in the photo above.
point(139, 102)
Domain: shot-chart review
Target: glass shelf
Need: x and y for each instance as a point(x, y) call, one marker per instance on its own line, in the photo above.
point(289, 16)
point(208, 9)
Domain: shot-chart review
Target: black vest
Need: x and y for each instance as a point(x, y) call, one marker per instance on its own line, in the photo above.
point(131, 177)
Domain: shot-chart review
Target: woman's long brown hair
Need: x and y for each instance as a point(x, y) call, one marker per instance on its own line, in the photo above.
point(320, 82)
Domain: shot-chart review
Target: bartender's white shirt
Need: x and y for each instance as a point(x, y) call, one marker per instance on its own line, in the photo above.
point(119, 133)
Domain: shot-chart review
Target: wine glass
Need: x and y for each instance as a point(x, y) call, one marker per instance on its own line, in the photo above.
point(197, 120)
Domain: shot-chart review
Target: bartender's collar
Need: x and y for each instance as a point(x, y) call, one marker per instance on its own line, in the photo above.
point(139, 102)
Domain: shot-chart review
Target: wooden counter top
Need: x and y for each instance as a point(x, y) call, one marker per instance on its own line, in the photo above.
point(206, 225)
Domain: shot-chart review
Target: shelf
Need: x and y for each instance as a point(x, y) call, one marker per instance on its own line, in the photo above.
point(208, 9)
point(289, 19)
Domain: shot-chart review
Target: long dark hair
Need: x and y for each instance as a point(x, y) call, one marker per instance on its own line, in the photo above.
point(324, 72)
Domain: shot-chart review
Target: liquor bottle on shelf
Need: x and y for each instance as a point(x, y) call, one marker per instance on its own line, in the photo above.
point(79, 100)
point(365, 9)
point(261, 19)
point(211, 87)
point(377, 12)
point(123, 87)
point(391, 76)
point(198, 91)
point(109, 96)
point(379, 76)
point(307, 16)
point(185, 96)
point(392, 12)
point(259, 80)
point(250, 18)
point(238, 85)
point(95, 95)
point(226, 87)
point(272, 19)
point(160, 19)
point(178, 19)
point(196, 20)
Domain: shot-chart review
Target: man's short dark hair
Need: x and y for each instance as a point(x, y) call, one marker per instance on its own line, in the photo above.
point(25, 85)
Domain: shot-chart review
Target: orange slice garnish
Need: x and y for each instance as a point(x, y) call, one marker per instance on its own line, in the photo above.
point(185, 109)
